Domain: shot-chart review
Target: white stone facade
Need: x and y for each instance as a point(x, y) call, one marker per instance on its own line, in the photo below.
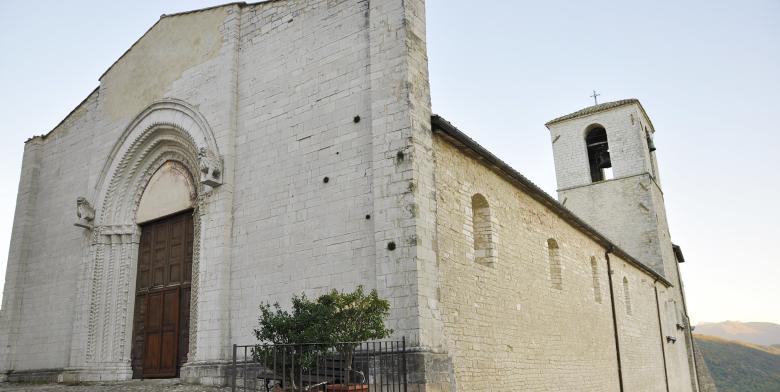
point(299, 133)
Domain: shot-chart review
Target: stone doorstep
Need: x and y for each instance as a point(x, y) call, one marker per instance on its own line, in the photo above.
point(118, 386)
point(157, 381)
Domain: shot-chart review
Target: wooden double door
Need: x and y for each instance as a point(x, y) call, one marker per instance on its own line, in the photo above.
point(161, 320)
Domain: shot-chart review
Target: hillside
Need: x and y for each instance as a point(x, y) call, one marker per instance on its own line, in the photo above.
point(764, 334)
point(740, 367)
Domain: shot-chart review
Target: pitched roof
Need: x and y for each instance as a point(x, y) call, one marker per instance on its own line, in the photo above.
point(600, 108)
point(464, 142)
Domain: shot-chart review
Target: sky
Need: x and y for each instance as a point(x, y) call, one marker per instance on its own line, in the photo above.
point(707, 72)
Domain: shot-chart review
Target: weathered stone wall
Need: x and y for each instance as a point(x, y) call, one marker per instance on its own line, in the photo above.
point(336, 178)
point(303, 79)
point(319, 113)
point(506, 326)
point(623, 209)
point(46, 250)
point(48, 309)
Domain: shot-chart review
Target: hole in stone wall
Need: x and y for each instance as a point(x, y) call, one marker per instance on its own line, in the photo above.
point(391, 245)
point(326, 180)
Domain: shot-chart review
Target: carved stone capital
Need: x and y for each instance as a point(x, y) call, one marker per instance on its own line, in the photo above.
point(116, 234)
point(85, 213)
point(210, 168)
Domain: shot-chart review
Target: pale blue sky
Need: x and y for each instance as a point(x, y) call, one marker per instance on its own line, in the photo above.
point(708, 73)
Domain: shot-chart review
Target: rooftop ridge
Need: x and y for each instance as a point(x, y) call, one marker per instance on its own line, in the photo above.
point(600, 108)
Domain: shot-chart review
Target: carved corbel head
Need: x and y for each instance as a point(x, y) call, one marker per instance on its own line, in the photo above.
point(85, 213)
point(210, 168)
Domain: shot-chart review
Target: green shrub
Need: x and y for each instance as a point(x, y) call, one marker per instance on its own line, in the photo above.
point(340, 320)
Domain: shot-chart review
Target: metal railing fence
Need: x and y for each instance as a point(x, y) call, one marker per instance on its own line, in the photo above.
point(349, 366)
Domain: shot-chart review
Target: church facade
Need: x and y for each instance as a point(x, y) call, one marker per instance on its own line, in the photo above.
point(246, 153)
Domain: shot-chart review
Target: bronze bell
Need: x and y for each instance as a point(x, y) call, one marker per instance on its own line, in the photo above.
point(650, 144)
point(603, 160)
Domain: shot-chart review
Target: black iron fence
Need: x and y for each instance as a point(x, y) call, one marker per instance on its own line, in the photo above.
point(354, 367)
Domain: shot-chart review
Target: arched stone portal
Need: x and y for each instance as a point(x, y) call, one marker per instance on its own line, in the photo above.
point(169, 143)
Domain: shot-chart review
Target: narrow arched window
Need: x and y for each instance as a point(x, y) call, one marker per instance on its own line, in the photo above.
point(554, 258)
point(484, 235)
point(598, 154)
point(627, 295)
point(594, 268)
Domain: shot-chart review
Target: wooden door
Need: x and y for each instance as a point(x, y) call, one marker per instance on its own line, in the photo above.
point(162, 302)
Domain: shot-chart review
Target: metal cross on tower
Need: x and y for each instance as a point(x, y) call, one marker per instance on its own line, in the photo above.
point(595, 97)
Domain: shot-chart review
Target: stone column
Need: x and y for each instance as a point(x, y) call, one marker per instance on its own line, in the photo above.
point(102, 329)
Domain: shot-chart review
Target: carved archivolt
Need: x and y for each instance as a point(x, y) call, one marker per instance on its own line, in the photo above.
point(165, 128)
point(167, 131)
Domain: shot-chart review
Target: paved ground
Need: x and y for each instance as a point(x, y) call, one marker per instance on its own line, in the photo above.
point(131, 386)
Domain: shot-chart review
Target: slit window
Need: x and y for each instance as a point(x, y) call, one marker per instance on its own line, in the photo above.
point(594, 267)
point(554, 258)
point(598, 154)
point(627, 295)
point(484, 235)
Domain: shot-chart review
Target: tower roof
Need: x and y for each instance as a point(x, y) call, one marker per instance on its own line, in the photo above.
point(600, 108)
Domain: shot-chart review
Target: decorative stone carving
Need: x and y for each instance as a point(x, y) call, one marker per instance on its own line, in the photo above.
point(85, 213)
point(210, 168)
point(167, 131)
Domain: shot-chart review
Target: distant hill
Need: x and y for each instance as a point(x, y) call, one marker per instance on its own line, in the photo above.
point(764, 334)
point(740, 367)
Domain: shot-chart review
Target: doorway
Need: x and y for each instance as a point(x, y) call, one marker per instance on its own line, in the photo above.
point(161, 320)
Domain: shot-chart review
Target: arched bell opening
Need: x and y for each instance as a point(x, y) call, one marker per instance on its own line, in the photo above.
point(598, 153)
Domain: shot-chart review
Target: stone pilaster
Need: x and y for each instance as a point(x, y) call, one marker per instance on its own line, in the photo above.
point(10, 317)
point(403, 181)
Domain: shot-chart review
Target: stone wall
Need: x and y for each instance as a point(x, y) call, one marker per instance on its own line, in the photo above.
point(303, 188)
point(318, 114)
point(507, 327)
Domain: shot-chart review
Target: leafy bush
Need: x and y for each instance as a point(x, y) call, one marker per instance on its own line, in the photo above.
point(337, 320)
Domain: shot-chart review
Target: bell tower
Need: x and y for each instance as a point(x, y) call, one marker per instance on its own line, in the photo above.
point(607, 174)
